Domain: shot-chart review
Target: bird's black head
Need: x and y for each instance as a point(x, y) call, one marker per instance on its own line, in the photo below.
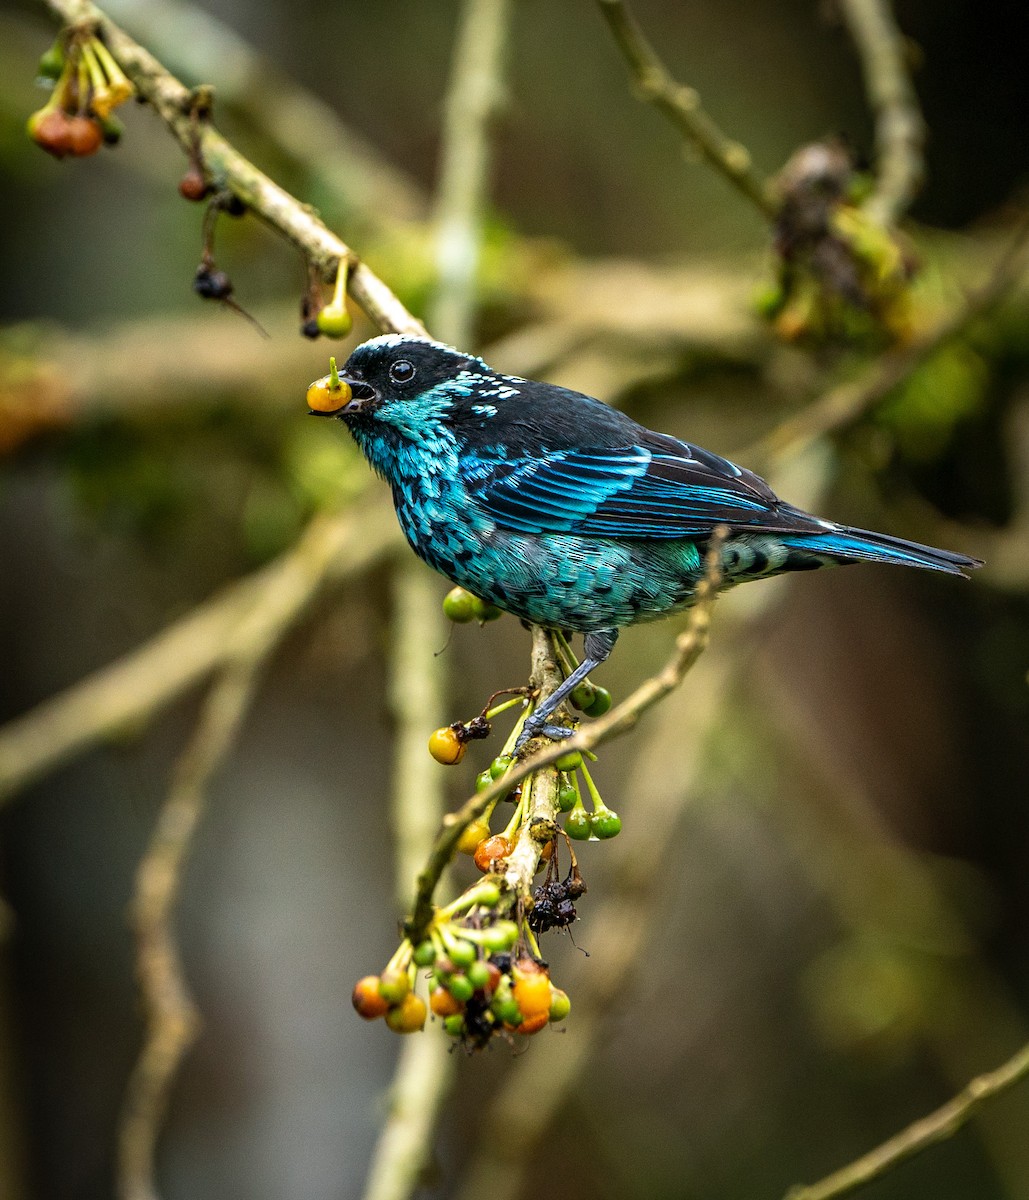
point(397, 369)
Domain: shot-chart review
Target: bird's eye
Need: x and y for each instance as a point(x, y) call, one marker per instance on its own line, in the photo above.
point(401, 371)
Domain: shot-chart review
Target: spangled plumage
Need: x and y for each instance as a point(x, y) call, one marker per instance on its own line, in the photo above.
point(565, 511)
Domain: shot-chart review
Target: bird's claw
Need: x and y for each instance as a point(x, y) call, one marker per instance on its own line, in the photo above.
point(556, 733)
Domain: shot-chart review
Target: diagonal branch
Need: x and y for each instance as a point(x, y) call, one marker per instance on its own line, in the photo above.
point(296, 222)
point(135, 688)
point(921, 1134)
point(681, 105)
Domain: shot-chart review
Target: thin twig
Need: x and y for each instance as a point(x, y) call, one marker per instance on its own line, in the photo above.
point(276, 207)
point(681, 105)
point(921, 1134)
point(689, 646)
point(899, 127)
point(172, 1020)
point(124, 696)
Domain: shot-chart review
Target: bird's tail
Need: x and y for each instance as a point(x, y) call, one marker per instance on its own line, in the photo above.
point(846, 545)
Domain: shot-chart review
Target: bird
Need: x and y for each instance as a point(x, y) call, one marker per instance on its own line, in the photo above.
point(558, 508)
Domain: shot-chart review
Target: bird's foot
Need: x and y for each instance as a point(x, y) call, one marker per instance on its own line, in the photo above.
point(556, 733)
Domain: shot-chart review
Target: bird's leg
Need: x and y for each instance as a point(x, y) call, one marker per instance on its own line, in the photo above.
point(596, 648)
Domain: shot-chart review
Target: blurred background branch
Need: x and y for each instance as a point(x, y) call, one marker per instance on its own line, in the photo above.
point(681, 105)
point(899, 127)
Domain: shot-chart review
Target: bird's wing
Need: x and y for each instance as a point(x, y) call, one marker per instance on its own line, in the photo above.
point(657, 488)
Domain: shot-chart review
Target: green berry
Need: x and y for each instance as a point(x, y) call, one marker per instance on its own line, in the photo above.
point(334, 322)
point(579, 825)
point(500, 766)
point(478, 974)
point(424, 954)
point(484, 611)
point(394, 984)
point(483, 780)
point(606, 824)
point(500, 936)
point(460, 987)
point(487, 894)
point(584, 695)
point(507, 1010)
point(571, 761)
point(601, 703)
point(567, 795)
point(51, 64)
point(560, 1005)
point(462, 952)
point(454, 1025)
point(459, 606)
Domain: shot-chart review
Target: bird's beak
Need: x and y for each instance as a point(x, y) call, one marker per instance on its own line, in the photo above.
point(338, 396)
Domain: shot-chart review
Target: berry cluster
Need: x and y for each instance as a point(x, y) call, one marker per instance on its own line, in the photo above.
point(483, 979)
point(88, 85)
point(487, 976)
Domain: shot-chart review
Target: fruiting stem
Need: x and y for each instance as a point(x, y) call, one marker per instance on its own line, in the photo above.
point(501, 708)
point(333, 375)
point(474, 895)
point(598, 803)
point(520, 808)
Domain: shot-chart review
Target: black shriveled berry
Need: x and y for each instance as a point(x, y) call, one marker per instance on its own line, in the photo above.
point(211, 283)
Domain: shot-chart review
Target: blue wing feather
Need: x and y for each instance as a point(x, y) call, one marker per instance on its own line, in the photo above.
point(656, 487)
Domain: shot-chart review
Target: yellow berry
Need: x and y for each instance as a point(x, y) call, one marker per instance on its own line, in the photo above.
point(322, 397)
point(446, 747)
point(469, 841)
point(408, 1016)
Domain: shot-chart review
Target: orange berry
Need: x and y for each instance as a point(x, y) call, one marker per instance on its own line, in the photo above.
point(85, 136)
point(531, 988)
point(491, 852)
point(49, 128)
point(445, 746)
point(367, 1000)
point(443, 1003)
point(534, 1023)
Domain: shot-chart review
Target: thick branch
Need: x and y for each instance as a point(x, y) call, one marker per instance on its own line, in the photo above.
point(425, 1070)
point(899, 127)
point(681, 105)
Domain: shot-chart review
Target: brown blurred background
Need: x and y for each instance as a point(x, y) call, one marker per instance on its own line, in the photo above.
point(843, 923)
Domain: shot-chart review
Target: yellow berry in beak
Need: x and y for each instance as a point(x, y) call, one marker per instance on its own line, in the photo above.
point(330, 393)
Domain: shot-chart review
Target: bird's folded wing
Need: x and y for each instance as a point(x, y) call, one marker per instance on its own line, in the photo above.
point(664, 489)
